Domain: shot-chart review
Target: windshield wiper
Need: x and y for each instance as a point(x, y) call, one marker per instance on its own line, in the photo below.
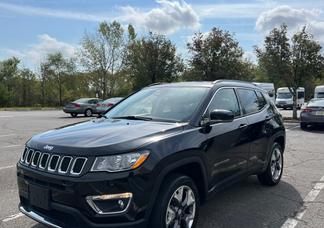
point(132, 118)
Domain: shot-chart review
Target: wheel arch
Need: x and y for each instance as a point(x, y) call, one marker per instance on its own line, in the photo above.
point(279, 138)
point(192, 167)
point(281, 141)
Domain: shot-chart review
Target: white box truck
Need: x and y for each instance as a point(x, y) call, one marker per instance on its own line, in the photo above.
point(319, 91)
point(285, 98)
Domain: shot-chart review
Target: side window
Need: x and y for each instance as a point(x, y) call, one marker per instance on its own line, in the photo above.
point(261, 100)
point(249, 100)
point(93, 101)
point(225, 99)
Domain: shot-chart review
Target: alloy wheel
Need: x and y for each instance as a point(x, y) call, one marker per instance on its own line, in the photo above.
point(89, 112)
point(181, 208)
point(276, 164)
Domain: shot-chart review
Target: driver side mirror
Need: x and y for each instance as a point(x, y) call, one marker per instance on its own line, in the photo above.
point(218, 116)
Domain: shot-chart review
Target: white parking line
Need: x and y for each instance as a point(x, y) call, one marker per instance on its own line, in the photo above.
point(13, 217)
point(311, 196)
point(7, 167)
point(6, 116)
point(9, 146)
point(7, 135)
point(289, 129)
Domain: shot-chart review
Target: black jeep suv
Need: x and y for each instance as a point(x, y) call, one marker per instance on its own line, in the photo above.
point(152, 159)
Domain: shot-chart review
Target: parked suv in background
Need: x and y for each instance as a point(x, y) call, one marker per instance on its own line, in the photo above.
point(86, 106)
point(153, 158)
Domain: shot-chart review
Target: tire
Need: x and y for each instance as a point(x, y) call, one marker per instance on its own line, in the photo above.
point(303, 125)
point(88, 112)
point(74, 114)
point(167, 199)
point(272, 175)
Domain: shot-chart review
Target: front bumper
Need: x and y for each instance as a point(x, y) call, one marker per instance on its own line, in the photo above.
point(67, 199)
point(281, 105)
point(74, 218)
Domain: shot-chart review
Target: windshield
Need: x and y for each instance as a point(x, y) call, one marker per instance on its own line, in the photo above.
point(286, 95)
point(176, 104)
point(320, 95)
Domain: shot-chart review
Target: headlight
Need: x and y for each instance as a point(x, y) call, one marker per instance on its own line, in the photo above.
point(121, 162)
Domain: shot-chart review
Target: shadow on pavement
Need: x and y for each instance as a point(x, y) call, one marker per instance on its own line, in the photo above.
point(315, 129)
point(249, 204)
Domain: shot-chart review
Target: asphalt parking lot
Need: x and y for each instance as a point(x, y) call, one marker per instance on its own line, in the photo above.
point(296, 202)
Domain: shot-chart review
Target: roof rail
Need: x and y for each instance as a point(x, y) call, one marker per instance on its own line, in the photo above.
point(231, 80)
point(218, 80)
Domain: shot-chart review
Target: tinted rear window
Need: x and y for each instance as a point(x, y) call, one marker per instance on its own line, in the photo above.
point(249, 101)
point(261, 100)
point(82, 100)
point(320, 95)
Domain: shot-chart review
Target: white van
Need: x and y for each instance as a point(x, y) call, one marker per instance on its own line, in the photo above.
point(319, 91)
point(285, 99)
point(269, 87)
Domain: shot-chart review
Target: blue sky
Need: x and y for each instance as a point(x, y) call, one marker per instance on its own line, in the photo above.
point(31, 28)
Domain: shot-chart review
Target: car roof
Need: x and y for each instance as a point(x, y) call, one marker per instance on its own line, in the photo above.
point(86, 98)
point(209, 84)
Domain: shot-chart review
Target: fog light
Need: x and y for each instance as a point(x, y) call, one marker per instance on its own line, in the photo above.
point(110, 203)
point(121, 204)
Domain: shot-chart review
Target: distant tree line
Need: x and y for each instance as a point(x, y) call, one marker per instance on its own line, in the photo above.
point(114, 62)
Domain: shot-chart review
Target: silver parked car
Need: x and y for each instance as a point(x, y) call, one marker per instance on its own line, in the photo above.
point(103, 106)
point(86, 106)
point(312, 113)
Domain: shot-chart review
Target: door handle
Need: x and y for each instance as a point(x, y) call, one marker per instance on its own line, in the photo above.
point(242, 126)
point(269, 117)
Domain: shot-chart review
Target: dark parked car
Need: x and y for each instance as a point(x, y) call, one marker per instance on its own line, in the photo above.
point(153, 158)
point(103, 106)
point(312, 113)
point(86, 106)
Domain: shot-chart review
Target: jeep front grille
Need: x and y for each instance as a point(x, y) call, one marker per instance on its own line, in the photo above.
point(54, 163)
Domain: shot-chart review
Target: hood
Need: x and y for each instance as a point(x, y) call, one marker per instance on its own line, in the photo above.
point(106, 134)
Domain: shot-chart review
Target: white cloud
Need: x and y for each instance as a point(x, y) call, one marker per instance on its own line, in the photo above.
point(168, 18)
point(36, 53)
point(295, 18)
point(48, 44)
point(237, 10)
point(38, 11)
point(317, 29)
point(292, 17)
point(250, 56)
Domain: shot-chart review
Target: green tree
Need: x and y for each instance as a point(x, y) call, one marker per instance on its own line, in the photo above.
point(8, 72)
point(103, 54)
point(27, 88)
point(152, 59)
point(57, 68)
point(294, 63)
point(217, 55)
